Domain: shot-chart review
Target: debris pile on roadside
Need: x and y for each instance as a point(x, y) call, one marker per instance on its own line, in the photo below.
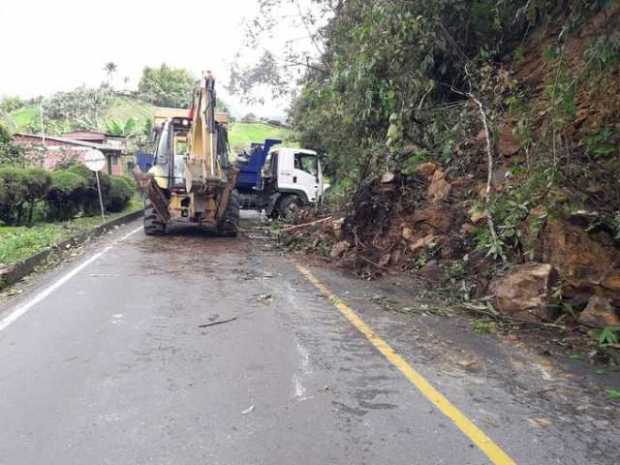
point(426, 225)
point(517, 226)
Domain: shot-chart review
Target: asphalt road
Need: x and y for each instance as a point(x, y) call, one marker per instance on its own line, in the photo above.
point(189, 349)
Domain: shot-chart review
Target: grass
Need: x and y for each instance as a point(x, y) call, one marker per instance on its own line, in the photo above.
point(123, 108)
point(24, 116)
point(241, 135)
point(18, 243)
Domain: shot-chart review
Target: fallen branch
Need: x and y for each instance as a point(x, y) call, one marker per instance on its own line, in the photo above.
point(305, 225)
point(490, 161)
point(487, 194)
point(376, 265)
point(490, 312)
point(215, 323)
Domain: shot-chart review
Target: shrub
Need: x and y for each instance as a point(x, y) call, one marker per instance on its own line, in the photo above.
point(90, 198)
point(13, 194)
point(37, 182)
point(129, 182)
point(65, 195)
point(20, 190)
point(10, 154)
point(119, 195)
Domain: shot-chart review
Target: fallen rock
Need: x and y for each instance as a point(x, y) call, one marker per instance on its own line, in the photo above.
point(431, 271)
point(385, 260)
point(612, 282)
point(524, 292)
point(477, 214)
point(339, 249)
point(426, 169)
point(468, 229)
point(440, 189)
point(599, 313)
point(581, 261)
point(438, 218)
point(507, 143)
point(407, 233)
point(337, 228)
point(423, 243)
point(397, 255)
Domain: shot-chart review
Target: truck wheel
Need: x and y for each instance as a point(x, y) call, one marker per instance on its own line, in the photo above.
point(289, 206)
point(229, 226)
point(153, 226)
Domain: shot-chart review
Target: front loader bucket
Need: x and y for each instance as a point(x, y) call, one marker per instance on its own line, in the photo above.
point(148, 186)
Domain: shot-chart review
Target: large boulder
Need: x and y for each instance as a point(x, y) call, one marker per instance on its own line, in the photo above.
point(525, 291)
point(599, 313)
point(437, 219)
point(439, 189)
point(584, 264)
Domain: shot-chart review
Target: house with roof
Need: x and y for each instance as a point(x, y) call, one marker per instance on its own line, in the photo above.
point(49, 151)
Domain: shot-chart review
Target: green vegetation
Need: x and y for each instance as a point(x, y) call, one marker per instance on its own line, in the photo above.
point(18, 243)
point(241, 135)
point(24, 117)
point(482, 326)
point(166, 86)
point(122, 109)
point(59, 195)
point(10, 104)
point(20, 190)
point(9, 153)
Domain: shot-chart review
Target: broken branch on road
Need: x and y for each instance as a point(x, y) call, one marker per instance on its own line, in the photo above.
point(215, 323)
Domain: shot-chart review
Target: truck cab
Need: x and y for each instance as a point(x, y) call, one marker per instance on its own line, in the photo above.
point(292, 178)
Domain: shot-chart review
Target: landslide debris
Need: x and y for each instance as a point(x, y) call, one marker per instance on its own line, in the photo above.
point(554, 190)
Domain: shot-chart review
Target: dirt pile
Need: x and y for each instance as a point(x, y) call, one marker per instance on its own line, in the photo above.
point(555, 192)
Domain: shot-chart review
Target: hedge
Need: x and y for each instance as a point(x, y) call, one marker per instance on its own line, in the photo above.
point(20, 190)
point(66, 195)
point(60, 194)
point(119, 195)
point(90, 197)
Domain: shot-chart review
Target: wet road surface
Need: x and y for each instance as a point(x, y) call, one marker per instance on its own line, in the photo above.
point(188, 349)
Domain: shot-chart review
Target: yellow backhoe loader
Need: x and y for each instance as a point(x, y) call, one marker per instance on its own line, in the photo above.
point(192, 180)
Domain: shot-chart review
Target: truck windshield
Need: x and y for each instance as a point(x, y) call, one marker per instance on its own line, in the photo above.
point(307, 162)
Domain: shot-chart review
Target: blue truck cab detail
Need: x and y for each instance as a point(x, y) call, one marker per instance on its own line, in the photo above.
point(249, 179)
point(145, 160)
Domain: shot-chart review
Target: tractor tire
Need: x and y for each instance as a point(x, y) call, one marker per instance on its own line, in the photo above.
point(288, 207)
point(229, 225)
point(153, 226)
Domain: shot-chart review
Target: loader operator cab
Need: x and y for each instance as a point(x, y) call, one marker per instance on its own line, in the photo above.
point(171, 151)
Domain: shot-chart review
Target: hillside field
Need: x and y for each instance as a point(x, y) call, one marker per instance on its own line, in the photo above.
point(241, 135)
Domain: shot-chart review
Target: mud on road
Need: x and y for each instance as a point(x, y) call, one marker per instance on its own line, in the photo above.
point(194, 349)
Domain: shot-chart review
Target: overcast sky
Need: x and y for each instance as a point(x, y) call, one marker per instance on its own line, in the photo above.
point(53, 45)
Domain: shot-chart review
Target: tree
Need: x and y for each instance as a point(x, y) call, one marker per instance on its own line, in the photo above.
point(81, 107)
point(249, 118)
point(10, 104)
point(120, 129)
point(166, 86)
point(10, 154)
point(110, 68)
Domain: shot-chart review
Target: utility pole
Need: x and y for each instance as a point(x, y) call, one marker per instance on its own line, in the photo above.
point(41, 121)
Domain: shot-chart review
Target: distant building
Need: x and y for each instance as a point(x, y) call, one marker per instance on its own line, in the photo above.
point(49, 151)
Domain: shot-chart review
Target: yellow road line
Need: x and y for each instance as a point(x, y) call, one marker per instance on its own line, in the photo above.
point(484, 443)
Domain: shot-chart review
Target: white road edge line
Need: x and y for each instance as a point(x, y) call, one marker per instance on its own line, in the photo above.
point(24, 308)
